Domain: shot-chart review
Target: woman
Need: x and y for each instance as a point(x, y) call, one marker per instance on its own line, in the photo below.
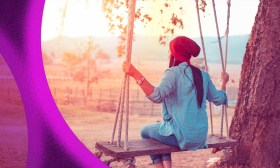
point(183, 92)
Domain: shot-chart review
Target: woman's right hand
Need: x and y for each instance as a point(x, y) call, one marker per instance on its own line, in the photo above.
point(224, 78)
point(129, 69)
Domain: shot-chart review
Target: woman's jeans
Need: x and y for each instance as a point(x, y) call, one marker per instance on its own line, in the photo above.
point(152, 131)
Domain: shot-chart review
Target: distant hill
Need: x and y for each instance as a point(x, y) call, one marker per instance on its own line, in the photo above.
point(236, 48)
point(147, 47)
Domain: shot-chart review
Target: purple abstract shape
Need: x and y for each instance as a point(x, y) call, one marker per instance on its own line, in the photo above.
point(51, 142)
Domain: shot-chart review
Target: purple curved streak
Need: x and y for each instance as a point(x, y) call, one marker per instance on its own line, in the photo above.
point(51, 143)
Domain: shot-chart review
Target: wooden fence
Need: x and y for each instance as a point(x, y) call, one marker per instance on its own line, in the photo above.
point(102, 96)
point(105, 100)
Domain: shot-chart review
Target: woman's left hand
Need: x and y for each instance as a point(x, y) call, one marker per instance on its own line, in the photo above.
point(128, 68)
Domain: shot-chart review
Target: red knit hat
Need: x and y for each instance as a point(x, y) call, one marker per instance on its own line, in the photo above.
point(182, 48)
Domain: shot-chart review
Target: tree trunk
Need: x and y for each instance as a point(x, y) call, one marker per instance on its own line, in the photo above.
point(256, 122)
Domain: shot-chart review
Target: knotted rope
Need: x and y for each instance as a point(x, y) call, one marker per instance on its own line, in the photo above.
point(123, 102)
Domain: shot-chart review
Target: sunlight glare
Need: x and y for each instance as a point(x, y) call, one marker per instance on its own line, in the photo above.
point(82, 19)
point(86, 18)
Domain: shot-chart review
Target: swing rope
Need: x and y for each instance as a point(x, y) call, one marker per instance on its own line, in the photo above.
point(218, 36)
point(227, 32)
point(121, 110)
point(222, 60)
point(123, 102)
point(117, 112)
point(226, 54)
point(224, 109)
point(205, 59)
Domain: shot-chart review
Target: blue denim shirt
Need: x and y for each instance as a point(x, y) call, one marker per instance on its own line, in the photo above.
point(180, 112)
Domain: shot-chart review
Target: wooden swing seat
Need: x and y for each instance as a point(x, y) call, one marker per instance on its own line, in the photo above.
point(150, 146)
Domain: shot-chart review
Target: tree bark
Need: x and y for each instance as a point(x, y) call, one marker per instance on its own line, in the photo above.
point(256, 122)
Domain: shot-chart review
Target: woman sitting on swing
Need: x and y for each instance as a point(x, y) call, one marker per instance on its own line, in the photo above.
point(183, 92)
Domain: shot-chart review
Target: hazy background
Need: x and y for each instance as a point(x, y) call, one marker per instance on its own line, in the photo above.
point(84, 71)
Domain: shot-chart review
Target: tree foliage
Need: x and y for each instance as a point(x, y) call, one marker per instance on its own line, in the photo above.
point(116, 12)
point(71, 59)
point(79, 65)
point(48, 59)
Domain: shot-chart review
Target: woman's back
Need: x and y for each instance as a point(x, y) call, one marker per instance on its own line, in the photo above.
point(181, 113)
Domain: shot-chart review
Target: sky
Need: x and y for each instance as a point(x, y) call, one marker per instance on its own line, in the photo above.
point(85, 18)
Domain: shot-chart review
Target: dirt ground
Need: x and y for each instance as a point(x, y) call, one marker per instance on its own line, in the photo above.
point(90, 127)
point(13, 136)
